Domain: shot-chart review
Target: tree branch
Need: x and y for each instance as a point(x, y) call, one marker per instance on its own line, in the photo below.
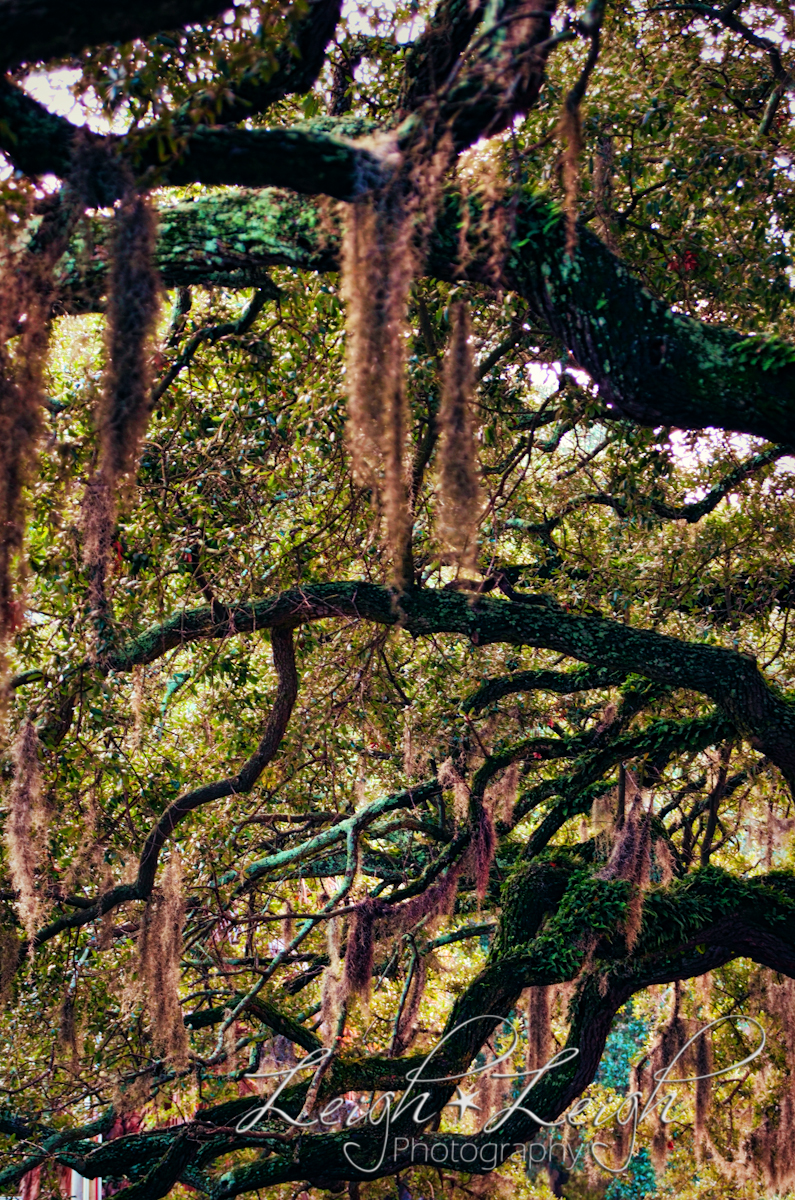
point(213, 334)
point(684, 512)
point(731, 679)
point(693, 926)
point(36, 30)
point(432, 56)
point(562, 682)
point(305, 158)
point(652, 365)
point(287, 690)
point(300, 61)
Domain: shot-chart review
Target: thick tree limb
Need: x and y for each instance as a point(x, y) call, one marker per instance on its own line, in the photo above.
point(732, 680)
point(303, 158)
point(695, 925)
point(36, 30)
point(563, 682)
point(652, 365)
point(343, 829)
point(502, 79)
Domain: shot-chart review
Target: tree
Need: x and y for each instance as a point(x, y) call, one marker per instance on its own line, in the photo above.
point(396, 621)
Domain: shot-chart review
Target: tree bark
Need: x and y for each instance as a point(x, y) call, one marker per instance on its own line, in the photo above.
point(650, 364)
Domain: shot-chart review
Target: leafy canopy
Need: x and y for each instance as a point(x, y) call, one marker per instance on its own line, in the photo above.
point(396, 588)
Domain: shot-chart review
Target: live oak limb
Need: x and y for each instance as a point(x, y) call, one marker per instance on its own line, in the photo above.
point(731, 679)
point(650, 364)
point(37, 30)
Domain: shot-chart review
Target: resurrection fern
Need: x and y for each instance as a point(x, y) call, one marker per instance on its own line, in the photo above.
point(546, 610)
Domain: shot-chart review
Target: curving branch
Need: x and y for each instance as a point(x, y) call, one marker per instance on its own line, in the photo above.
point(498, 76)
point(243, 781)
point(501, 80)
point(565, 683)
point(588, 748)
point(30, 34)
point(683, 512)
point(305, 158)
point(247, 776)
point(349, 827)
point(299, 63)
point(276, 865)
point(36, 30)
point(733, 680)
point(748, 705)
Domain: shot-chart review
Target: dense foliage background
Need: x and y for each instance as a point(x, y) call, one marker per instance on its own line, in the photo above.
point(642, 815)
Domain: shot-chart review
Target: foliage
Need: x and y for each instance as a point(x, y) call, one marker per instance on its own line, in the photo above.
point(293, 762)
